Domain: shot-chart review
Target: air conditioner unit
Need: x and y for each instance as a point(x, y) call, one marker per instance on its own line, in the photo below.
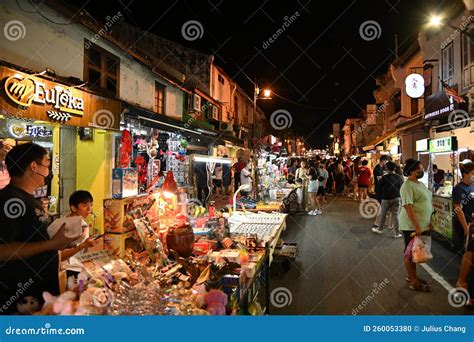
point(225, 127)
point(196, 102)
point(215, 112)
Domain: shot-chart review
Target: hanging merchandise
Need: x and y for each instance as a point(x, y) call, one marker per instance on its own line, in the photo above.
point(140, 163)
point(125, 149)
point(184, 143)
point(153, 145)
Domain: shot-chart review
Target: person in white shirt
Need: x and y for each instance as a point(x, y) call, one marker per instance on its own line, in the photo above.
point(246, 178)
point(5, 146)
point(217, 179)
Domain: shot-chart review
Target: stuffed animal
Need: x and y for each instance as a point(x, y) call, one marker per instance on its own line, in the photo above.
point(200, 292)
point(216, 301)
point(88, 310)
point(64, 304)
point(98, 297)
point(27, 305)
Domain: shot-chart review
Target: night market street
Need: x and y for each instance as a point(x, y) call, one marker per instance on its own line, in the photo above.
point(342, 264)
point(287, 160)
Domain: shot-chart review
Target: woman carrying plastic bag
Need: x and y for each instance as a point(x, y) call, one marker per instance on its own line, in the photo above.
point(415, 218)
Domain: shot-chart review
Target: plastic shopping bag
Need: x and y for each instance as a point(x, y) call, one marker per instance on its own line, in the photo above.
point(408, 250)
point(421, 251)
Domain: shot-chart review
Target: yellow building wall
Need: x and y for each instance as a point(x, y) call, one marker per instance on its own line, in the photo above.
point(55, 180)
point(94, 171)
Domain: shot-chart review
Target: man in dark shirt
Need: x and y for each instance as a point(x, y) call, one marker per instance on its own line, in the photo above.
point(378, 174)
point(463, 202)
point(389, 189)
point(28, 257)
point(201, 181)
point(438, 177)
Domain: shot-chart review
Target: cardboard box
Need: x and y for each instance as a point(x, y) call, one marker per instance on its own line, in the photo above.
point(98, 245)
point(124, 182)
point(117, 244)
point(120, 213)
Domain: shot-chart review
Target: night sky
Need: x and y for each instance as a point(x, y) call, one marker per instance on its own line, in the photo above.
point(320, 67)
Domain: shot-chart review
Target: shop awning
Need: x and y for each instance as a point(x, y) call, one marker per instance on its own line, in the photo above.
point(412, 122)
point(378, 140)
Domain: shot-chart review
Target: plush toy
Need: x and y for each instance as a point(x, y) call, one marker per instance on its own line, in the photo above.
point(64, 304)
point(27, 305)
point(88, 310)
point(216, 301)
point(94, 296)
point(200, 293)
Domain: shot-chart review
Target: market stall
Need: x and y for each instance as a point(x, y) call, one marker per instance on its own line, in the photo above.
point(270, 183)
point(445, 153)
point(163, 255)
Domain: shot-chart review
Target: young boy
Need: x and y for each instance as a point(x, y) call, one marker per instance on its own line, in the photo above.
point(299, 194)
point(80, 204)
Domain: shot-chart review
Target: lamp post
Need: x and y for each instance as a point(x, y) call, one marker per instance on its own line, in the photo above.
point(266, 96)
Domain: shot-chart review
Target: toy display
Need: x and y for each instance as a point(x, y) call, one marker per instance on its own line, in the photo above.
point(124, 182)
point(120, 213)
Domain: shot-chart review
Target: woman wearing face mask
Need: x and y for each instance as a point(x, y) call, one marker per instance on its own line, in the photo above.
point(463, 201)
point(415, 216)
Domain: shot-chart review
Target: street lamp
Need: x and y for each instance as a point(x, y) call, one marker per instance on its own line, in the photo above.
point(266, 96)
point(331, 136)
point(437, 21)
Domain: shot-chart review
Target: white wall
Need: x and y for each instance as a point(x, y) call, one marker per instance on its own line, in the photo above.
point(61, 47)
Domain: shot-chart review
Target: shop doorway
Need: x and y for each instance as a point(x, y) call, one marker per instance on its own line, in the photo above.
point(67, 166)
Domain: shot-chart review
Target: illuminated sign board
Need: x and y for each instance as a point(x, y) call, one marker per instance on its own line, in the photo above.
point(422, 145)
point(24, 90)
point(447, 144)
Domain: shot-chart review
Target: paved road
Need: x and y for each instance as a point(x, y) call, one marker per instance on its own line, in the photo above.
point(344, 269)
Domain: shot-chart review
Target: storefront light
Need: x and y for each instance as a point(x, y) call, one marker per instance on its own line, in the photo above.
point(168, 195)
point(208, 159)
